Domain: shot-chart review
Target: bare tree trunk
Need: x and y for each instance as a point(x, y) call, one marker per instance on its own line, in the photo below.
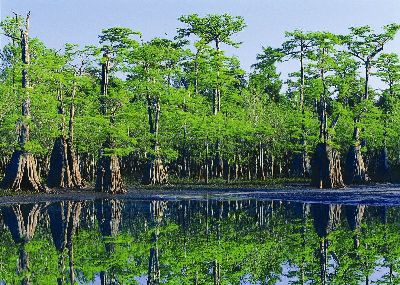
point(216, 272)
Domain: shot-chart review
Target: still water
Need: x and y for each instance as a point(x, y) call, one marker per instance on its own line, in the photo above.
point(198, 241)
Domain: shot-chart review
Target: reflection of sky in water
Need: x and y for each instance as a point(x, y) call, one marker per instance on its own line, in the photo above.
point(252, 239)
point(284, 280)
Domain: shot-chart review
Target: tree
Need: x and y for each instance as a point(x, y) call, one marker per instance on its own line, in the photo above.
point(326, 169)
point(64, 169)
point(297, 46)
point(116, 42)
point(216, 29)
point(21, 173)
point(364, 45)
point(388, 70)
point(152, 71)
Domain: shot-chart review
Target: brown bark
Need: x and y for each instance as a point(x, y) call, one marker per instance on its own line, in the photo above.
point(109, 178)
point(59, 173)
point(73, 163)
point(326, 170)
point(21, 173)
point(355, 170)
point(155, 172)
point(64, 168)
point(72, 158)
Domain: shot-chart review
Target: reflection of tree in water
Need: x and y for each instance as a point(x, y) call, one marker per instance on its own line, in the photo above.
point(22, 221)
point(157, 209)
point(354, 216)
point(108, 213)
point(64, 221)
point(300, 212)
point(388, 255)
point(326, 219)
point(202, 242)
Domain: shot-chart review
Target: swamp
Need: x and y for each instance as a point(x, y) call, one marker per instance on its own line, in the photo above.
point(139, 159)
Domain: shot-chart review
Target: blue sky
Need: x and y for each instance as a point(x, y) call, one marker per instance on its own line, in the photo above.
point(80, 21)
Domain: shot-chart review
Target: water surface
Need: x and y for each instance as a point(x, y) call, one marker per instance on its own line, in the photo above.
point(198, 241)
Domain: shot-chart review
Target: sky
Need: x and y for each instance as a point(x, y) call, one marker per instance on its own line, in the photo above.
point(57, 22)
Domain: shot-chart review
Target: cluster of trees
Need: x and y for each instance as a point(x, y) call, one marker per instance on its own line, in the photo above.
point(181, 107)
point(198, 242)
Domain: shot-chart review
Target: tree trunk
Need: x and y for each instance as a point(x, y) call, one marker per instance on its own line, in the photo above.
point(21, 173)
point(73, 163)
point(219, 164)
point(59, 173)
point(109, 214)
point(301, 165)
point(326, 171)
point(64, 221)
point(354, 216)
point(355, 171)
point(382, 167)
point(326, 218)
point(108, 177)
point(155, 172)
point(301, 161)
point(73, 160)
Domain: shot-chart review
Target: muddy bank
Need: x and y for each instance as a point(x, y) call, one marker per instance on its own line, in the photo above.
point(383, 194)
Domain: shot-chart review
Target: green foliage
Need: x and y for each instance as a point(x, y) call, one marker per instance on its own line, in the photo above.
point(161, 96)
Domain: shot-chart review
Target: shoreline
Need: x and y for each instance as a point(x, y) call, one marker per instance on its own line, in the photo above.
point(379, 194)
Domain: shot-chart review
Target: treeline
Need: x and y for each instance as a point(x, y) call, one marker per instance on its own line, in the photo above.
point(149, 111)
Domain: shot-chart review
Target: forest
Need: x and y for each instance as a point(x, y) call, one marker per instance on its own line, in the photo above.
point(128, 110)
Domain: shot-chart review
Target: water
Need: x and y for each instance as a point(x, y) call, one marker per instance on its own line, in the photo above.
point(199, 241)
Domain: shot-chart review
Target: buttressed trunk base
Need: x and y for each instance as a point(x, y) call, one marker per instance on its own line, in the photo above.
point(64, 167)
point(326, 170)
point(109, 178)
point(155, 173)
point(21, 173)
point(355, 171)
